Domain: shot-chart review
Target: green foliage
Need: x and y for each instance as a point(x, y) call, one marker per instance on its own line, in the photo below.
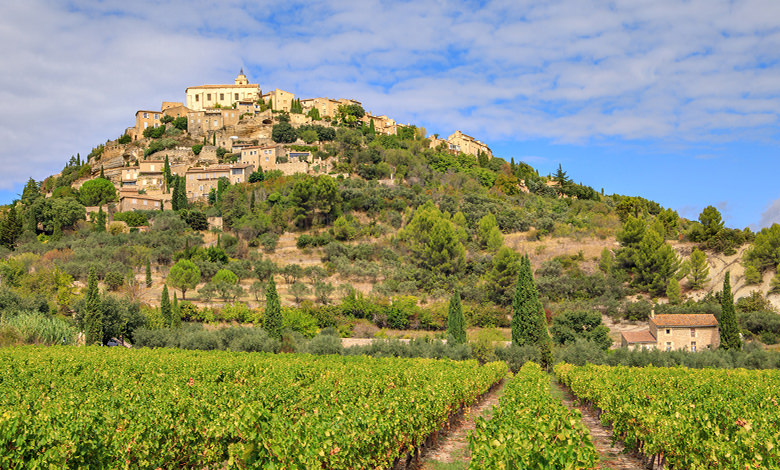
point(91, 315)
point(132, 218)
point(456, 324)
point(154, 132)
point(180, 123)
point(433, 241)
point(284, 132)
point(528, 322)
point(502, 276)
point(570, 326)
point(752, 275)
point(97, 192)
point(197, 148)
point(184, 275)
point(114, 280)
point(528, 414)
point(165, 307)
point(674, 292)
point(698, 269)
point(729, 328)
point(765, 252)
point(273, 311)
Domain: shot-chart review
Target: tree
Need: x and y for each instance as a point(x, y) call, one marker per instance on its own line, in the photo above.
point(561, 178)
point(167, 176)
point(256, 176)
point(299, 291)
point(711, 222)
point(314, 114)
point(529, 326)
point(272, 322)
point(149, 274)
point(31, 192)
point(698, 269)
point(165, 307)
point(309, 136)
point(97, 192)
point(456, 324)
point(503, 275)
point(179, 196)
point(283, 132)
point(323, 291)
point(433, 241)
point(729, 329)
point(655, 263)
point(100, 220)
point(92, 316)
point(606, 261)
point(184, 275)
point(674, 292)
point(175, 313)
point(226, 283)
point(10, 228)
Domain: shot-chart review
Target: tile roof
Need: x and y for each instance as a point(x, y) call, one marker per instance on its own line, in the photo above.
point(643, 336)
point(685, 320)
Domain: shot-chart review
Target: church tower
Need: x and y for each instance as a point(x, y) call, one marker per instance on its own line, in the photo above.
point(241, 79)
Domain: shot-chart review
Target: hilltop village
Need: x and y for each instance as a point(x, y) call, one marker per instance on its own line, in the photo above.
point(234, 126)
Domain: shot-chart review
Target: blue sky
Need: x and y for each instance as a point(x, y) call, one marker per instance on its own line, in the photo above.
point(676, 101)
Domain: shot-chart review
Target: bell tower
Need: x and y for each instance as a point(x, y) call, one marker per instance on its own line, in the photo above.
point(241, 79)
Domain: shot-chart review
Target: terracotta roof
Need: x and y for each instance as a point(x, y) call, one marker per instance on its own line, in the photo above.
point(685, 320)
point(643, 336)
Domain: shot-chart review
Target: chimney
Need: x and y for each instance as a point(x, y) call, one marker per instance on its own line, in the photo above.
point(652, 313)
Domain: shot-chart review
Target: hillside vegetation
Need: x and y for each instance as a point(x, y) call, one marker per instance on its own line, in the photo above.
point(380, 243)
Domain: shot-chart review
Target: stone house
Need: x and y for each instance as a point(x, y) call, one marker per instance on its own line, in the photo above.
point(200, 180)
point(129, 201)
point(200, 98)
point(675, 332)
point(261, 156)
point(147, 118)
point(327, 107)
point(211, 120)
point(382, 124)
point(280, 100)
point(463, 143)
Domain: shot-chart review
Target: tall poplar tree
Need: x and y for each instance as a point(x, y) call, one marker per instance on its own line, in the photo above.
point(273, 311)
point(92, 314)
point(456, 324)
point(729, 329)
point(165, 307)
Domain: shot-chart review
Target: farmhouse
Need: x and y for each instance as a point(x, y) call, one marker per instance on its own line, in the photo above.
point(674, 332)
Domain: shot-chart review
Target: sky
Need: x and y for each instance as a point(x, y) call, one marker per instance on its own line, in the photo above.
point(673, 100)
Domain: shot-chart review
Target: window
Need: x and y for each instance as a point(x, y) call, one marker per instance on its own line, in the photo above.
point(157, 116)
point(144, 201)
point(693, 332)
point(151, 168)
point(693, 346)
point(134, 201)
point(668, 346)
point(197, 98)
point(236, 96)
point(146, 115)
point(208, 96)
point(668, 331)
point(221, 96)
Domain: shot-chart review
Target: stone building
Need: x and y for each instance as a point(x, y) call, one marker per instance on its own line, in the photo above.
point(261, 156)
point(461, 142)
point(200, 180)
point(210, 120)
point(280, 100)
point(145, 118)
point(693, 332)
point(204, 97)
point(129, 201)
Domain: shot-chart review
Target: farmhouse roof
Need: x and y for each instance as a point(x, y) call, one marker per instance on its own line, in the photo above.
point(685, 320)
point(643, 336)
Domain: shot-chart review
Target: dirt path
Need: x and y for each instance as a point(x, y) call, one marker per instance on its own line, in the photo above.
point(452, 452)
point(612, 457)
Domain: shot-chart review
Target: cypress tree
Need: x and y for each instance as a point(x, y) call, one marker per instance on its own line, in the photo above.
point(529, 326)
point(148, 274)
point(371, 127)
point(167, 175)
point(92, 314)
point(175, 313)
point(102, 175)
point(729, 330)
point(180, 194)
point(273, 311)
point(175, 197)
point(100, 220)
point(456, 329)
point(165, 307)
point(252, 202)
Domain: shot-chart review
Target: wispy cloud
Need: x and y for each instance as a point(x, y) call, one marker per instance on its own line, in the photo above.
point(564, 70)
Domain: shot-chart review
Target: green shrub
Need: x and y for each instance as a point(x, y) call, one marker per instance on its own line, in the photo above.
point(325, 344)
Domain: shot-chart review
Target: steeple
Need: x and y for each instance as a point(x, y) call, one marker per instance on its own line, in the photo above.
point(241, 79)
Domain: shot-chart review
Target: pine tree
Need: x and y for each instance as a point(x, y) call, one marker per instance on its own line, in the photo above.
point(729, 329)
point(273, 311)
point(92, 314)
point(78, 159)
point(10, 228)
point(674, 292)
point(148, 274)
point(699, 269)
point(165, 307)
point(175, 313)
point(456, 328)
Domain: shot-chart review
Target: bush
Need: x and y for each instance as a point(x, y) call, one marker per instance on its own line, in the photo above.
point(325, 344)
point(114, 280)
point(515, 356)
point(197, 148)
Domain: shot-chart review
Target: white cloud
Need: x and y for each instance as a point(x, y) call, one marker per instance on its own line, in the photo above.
point(566, 70)
point(771, 215)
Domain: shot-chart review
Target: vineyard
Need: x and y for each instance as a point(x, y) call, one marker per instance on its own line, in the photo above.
point(70, 407)
point(531, 429)
point(687, 419)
